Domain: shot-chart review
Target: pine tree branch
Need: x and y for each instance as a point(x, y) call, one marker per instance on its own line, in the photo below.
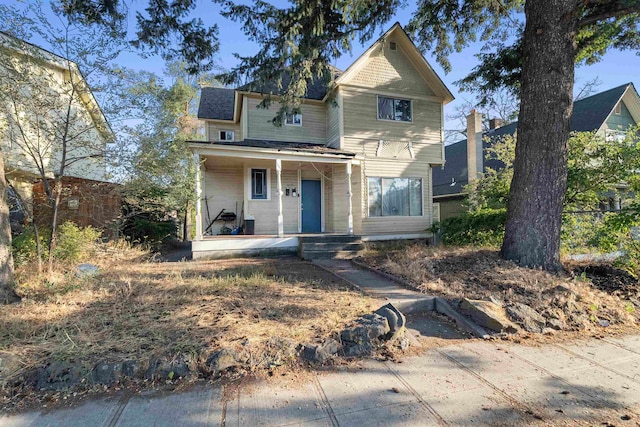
point(605, 11)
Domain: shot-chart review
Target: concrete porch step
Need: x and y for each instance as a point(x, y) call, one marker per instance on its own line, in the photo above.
point(329, 239)
point(315, 254)
point(329, 247)
point(333, 246)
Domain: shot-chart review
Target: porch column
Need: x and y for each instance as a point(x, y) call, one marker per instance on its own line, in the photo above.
point(196, 165)
point(349, 201)
point(279, 191)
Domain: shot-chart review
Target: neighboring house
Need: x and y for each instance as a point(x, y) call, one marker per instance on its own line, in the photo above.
point(356, 161)
point(607, 113)
point(45, 100)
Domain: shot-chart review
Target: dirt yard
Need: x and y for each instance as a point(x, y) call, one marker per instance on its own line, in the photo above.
point(140, 310)
point(588, 298)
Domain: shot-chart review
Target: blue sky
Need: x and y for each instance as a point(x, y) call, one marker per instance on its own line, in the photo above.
point(615, 69)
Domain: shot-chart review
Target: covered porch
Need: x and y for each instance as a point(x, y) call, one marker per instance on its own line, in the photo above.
point(288, 190)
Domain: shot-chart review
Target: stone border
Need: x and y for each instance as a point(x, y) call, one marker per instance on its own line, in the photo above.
point(437, 304)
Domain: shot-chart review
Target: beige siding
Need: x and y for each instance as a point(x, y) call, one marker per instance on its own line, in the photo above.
point(213, 129)
point(391, 71)
point(223, 189)
point(363, 130)
point(266, 211)
point(338, 216)
point(333, 123)
point(224, 186)
point(405, 224)
point(313, 129)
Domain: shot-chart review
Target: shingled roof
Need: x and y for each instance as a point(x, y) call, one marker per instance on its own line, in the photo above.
point(216, 103)
point(589, 114)
point(219, 103)
point(284, 146)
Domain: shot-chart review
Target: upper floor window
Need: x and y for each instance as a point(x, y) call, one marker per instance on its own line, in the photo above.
point(394, 109)
point(618, 109)
point(292, 119)
point(226, 135)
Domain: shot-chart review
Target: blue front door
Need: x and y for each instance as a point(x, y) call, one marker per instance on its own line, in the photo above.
point(311, 206)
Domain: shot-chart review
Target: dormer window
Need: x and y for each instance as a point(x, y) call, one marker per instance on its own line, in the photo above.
point(394, 109)
point(293, 119)
point(226, 135)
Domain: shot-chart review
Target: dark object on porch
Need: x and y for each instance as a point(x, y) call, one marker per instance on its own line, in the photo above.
point(249, 226)
point(224, 217)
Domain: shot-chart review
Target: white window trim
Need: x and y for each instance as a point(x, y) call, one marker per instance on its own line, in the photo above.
point(396, 216)
point(617, 110)
point(248, 184)
point(392, 97)
point(227, 131)
point(293, 124)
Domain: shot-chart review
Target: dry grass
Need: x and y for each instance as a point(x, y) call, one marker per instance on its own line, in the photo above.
point(137, 308)
point(480, 274)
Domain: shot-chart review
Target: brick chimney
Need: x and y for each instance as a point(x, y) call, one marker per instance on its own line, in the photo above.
point(474, 146)
point(495, 123)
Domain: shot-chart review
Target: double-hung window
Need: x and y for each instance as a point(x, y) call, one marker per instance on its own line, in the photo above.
point(259, 184)
point(394, 109)
point(395, 197)
point(226, 135)
point(293, 119)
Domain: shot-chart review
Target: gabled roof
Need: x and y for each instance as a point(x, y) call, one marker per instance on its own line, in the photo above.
point(435, 82)
point(316, 88)
point(589, 115)
point(216, 103)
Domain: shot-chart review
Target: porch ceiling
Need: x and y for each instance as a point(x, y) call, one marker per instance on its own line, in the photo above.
point(285, 151)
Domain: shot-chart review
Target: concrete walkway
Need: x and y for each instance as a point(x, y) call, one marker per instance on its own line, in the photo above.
point(475, 383)
point(472, 382)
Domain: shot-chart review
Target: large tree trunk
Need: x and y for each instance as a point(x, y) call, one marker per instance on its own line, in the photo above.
point(7, 279)
point(534, 215)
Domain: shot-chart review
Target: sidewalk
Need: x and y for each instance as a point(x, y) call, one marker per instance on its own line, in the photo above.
point(474, 383)
point(471, 382)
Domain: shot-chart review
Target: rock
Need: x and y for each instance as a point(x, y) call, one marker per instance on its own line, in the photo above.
point(531, 320)
point(106, 373)
point(130, 369)
point(548, 331)
point(403, 343)
point(320, 353)
point(556, 324)
point(396, 320)
point(166, 370)
point(361, 339)
point(58, 376)
point(87, 270)
point(279, 350)
point(223, 359)
point(604, 323)
point(488, 315)
point(9, 365)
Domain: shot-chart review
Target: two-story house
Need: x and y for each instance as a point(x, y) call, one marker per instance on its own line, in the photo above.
point(608, 113)
point(50, 122)
point(356, 161)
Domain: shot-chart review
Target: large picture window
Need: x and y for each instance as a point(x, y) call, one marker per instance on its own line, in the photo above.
point(259, 184)
point(394, 109)
point(395, 197)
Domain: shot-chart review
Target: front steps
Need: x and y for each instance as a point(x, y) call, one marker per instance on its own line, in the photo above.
point(329, 247)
